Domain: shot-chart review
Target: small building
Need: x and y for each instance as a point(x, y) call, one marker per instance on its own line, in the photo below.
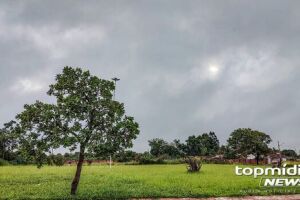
point(275, 159)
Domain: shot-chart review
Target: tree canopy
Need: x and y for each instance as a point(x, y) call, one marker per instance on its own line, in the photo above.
point(202, 145)
point(206, 144)
point(246, 141)
point(289, 153)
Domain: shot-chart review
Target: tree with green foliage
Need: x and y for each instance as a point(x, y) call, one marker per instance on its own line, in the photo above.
point(84, 117)
point(211, 143)
point(172, 151)
point(195, 146)
point(246, 141)
point(157, 146)
point(59, 160)
point(125, 156)
point(8, 143)
point(289, 153)
point(3, 143)
point(202, 145)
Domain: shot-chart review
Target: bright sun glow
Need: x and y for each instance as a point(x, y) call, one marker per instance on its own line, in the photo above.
point(213, 69)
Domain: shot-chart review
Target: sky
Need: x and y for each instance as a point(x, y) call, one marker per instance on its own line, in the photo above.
point(186, 67)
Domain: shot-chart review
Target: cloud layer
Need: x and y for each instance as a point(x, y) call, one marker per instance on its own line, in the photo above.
point(186, 67)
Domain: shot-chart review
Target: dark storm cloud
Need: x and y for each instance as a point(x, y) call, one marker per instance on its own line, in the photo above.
point(186, 67)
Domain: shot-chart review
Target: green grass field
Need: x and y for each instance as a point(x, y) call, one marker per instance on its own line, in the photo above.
point(126, 181)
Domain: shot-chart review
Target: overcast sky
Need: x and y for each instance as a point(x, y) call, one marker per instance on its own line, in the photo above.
point(186, 67)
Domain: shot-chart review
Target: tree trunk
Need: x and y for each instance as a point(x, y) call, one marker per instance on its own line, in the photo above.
point(78, 172)
point(257, 158)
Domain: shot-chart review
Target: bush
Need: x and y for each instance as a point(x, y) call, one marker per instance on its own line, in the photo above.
point(125, 156)
point(57, 160)
point(20, 160)
point(3, 162)
point(147, 158)
point(194, 164)
point(50, 160)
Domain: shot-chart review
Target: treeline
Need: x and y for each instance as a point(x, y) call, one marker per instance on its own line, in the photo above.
point(241, 143)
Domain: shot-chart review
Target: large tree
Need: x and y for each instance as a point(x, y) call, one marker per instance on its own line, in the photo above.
point(84, 117)
point(246, 141)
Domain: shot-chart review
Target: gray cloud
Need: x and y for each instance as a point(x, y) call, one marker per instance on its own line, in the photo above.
point(186, 67)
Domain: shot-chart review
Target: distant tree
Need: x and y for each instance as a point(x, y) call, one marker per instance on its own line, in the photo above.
point(181, 147)
point(157, 146)
point(195, 146)
point(146, 158)
point(59, 160)
point(84, 117)
point(125, 156)
point(3, 143)
point(172, 151)
point(229, 153)
point(202, 145)
point(289, 153)
point(222, 150)
point(211, 143)
point(50, 159)
point(66, 155)
point(246, 141)
point(8, 142)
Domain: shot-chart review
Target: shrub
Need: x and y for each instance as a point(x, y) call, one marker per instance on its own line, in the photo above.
point(50, 160)
point(194, 164)
point(147, 158)
point(3, 162)
point(125, 156)
point(59, 160)
point(20, 160)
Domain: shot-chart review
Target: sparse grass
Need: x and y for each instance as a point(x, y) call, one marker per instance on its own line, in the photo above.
point(126, 181)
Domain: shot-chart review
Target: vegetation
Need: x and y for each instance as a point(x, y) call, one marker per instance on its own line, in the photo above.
point(159, 147)
point(57, 160)
point(290, 153)
point(124, 181)
point(201, 145)
point(194, 163)
point(246, 141)
point(3, 162)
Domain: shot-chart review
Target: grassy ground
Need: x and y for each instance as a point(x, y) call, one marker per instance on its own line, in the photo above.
point(126, 181)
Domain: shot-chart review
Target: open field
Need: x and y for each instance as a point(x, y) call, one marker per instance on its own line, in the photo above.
point(127, 181)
